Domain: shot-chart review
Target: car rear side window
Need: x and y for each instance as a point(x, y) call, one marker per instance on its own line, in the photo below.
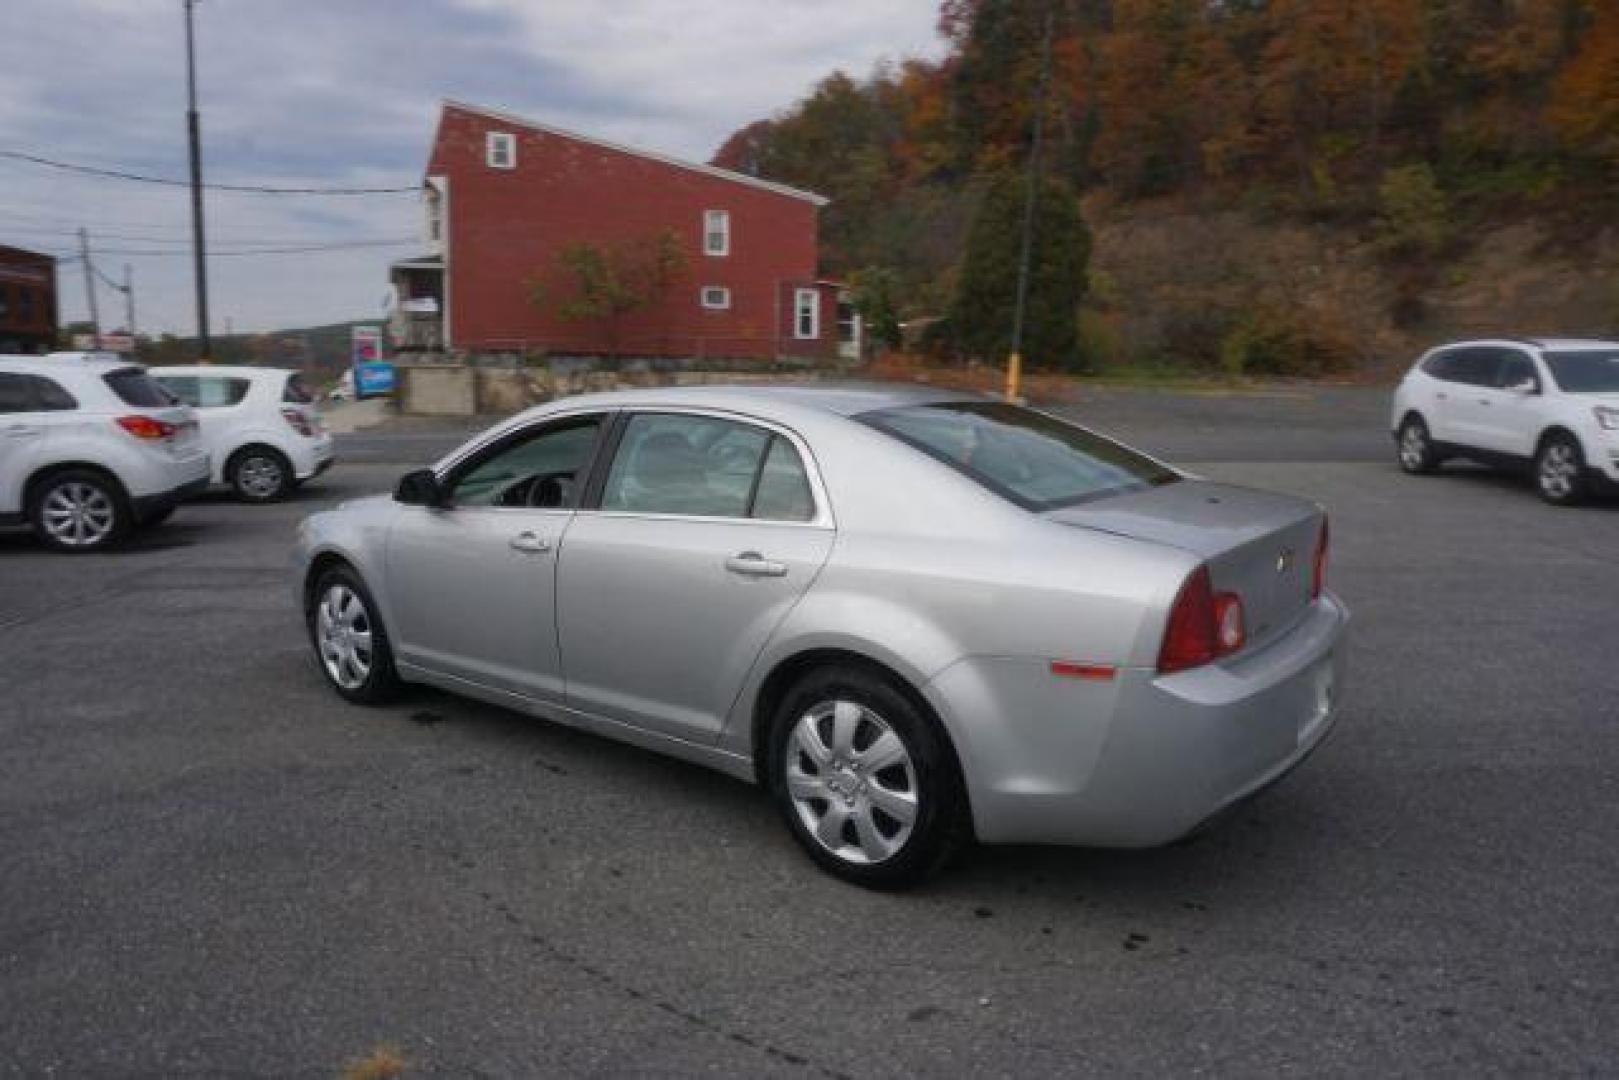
point(16, 394)
point(51, 396)
point(297, 391)
point(1035, 460)
point(135, 387)
point(685, 465)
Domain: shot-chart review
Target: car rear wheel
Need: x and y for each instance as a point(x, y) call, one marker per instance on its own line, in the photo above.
point(1560, 470)
point(1416, 450)
point(78, 510)
point(349, 640)
point(865, 780)
point(259, 474)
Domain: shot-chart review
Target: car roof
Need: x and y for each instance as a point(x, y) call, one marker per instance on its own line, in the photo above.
point(1544, 343)
point(839, 398)
point(58, 362)
point(239, 371)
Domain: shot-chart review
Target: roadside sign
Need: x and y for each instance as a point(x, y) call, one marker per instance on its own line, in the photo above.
point(373, 376)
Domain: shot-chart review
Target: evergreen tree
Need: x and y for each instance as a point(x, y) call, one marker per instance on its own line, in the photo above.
point(981, 316)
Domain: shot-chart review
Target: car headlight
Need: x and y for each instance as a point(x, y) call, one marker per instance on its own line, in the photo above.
point(1608, 418)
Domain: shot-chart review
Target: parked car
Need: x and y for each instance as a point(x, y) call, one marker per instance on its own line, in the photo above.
point(91, 447)
point(1548, 405)
point(260, 425)
point(914, 616)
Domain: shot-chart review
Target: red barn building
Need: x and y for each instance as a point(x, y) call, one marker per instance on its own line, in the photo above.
point(505, 197)
point(27, 301)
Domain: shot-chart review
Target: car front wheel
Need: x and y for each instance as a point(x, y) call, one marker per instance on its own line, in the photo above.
point(1560, 471)
point(1416, 450)
point(865, 781)
point(349, 640)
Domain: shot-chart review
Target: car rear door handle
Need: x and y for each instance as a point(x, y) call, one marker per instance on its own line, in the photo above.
point(1442, 396)
point(753, 564)
point(22, 431)
point(527, 541)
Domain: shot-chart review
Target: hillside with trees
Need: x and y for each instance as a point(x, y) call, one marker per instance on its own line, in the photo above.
point(1288, 186)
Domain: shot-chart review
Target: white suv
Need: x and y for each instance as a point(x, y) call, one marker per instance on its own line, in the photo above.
point(259, 425)
point(90, 448)
point(1551, 404)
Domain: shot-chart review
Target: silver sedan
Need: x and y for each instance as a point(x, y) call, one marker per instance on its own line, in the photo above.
point(916, 618)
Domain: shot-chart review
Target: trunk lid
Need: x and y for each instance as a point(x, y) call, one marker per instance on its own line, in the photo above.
point(1257, 544)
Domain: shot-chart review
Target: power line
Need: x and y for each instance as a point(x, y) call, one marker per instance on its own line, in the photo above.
point(297, 250)
point(46, 230)
point(253, 189)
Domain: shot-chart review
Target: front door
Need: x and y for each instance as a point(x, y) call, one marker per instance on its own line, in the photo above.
point(705, 533)
point(473, 582)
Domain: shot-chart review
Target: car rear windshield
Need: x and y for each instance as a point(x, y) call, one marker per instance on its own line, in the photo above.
point(1035, 460)
point(1589, 371)
point(139, 389)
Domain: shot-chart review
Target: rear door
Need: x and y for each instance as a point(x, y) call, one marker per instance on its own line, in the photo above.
point(1461, 412)
point(706, 530)
point(22, 435)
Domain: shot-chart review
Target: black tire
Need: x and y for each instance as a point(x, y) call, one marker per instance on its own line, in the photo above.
point(259, 474)
point(380, 683)
point(941, 825)
point(1414, 448)
point(1560, 470)
point(79, 511)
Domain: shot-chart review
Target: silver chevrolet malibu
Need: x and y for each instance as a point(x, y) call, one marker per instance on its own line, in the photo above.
point(916, 617)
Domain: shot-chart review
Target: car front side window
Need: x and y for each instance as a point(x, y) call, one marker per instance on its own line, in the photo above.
point(543, 468)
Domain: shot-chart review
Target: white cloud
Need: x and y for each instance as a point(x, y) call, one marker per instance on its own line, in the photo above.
point(315, 92)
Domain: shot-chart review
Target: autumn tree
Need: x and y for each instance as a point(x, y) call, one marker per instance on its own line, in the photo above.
point(609, 282)
point(981, 316)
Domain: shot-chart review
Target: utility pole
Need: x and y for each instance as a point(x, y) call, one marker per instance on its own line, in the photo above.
point(199, 247)
point(129, 299)
point(90, 287)
point(1014, 362)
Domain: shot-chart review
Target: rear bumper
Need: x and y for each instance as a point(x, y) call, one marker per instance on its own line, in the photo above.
point(1142, 759)
point(146, 507)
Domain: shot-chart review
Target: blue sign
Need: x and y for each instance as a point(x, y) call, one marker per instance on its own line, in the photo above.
point(373, 379)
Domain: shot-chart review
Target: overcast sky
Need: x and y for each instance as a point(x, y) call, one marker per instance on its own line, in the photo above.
point(344, 92)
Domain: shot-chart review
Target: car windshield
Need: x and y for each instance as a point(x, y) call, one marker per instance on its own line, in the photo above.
point(1035, 460)
point(1589, 371)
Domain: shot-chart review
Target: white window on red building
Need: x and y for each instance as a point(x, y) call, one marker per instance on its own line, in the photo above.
point(500, 150)
point(806, 314)
point(716, 298)
point(716, 232)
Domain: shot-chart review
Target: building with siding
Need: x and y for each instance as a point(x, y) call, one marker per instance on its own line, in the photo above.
point(27, 301)
point(504, 197)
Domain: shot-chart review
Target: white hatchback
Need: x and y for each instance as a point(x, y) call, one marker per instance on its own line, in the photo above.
point(260, 426)
point(1550, 404)
point(90, 448)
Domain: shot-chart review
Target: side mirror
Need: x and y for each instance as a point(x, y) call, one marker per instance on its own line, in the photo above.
point(420, 488)
point(1528, 388)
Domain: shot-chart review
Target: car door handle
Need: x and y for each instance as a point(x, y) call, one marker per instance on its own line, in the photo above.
point(22, 431)
point(1484, 401)
point(1442, 396)
point(527, 541)
point(753, 564)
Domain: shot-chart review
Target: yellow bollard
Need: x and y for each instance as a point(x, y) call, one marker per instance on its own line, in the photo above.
point(1014, 376)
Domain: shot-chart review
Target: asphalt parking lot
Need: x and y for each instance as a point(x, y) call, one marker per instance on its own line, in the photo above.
point(210, 865)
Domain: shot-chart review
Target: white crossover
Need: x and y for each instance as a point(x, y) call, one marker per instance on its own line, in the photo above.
point(1547, 404)
point(91, 448)
point(259, 424)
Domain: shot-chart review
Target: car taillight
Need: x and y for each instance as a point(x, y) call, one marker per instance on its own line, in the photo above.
point(1318, 581)
point(1203, 625)
point(145, 427)
point(299, 422)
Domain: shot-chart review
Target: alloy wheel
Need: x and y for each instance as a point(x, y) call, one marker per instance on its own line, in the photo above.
point(343, 633)
point(1559, 471)
point(1413, 447)
point(259, 476)
point(852, 782)
point(78, 514)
